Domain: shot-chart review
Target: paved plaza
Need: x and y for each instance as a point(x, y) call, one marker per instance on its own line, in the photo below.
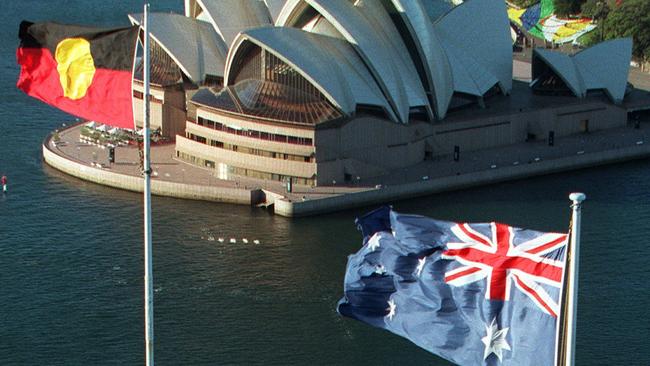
point(167, 167)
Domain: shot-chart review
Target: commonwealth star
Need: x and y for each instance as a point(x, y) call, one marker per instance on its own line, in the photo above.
point(495, 340)
point(373, 243)
point(420, 266)
point(391, 309)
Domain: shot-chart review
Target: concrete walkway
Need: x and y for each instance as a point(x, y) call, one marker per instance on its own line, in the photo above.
point(519, 154)
point(167, 168)
point(482, 165)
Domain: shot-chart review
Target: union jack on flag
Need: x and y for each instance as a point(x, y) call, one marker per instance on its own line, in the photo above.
point(503, 260)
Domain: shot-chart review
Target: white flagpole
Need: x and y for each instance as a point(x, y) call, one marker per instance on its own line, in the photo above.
point(572, 289)
point(148, 273)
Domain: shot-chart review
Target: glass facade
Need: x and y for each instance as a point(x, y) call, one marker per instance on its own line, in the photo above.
point(139, 95)
point(164, 70)
point(232, 170)
point(254, 134)
point(265, 87)
point(249, 150)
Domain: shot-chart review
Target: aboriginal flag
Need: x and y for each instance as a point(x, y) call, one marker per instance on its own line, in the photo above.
point(81, 70)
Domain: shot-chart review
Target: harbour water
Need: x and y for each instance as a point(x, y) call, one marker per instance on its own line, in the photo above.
point(71, 255)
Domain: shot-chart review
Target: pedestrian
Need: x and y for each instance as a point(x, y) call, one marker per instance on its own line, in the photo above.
point(111, 154)
point(3, 182)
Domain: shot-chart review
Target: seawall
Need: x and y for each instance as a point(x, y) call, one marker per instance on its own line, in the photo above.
point(288, 208)
point(158, 187)
point(340, 200)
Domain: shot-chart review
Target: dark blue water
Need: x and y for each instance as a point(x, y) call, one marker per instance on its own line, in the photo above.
point(71, 255)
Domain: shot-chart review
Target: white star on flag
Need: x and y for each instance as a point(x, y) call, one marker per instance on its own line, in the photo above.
point(391, 309)
point(420, 266)
point(495, 340)
point(373, 243)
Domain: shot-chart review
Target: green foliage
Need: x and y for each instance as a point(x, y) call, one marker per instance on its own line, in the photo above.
point(103, 138)
point(597, 9)
point(631, 19)
point(591, 38)
point(524, 3)
point(564, 8)
point(88, 132)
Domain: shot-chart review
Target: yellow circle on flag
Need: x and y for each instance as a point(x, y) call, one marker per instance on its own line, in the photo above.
point(76, 67)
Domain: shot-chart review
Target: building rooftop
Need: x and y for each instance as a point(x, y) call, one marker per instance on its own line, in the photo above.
point(191, 43)
point(604, 66)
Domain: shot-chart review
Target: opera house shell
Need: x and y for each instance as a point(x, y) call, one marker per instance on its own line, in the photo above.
point(323, 91)
point(602, 67)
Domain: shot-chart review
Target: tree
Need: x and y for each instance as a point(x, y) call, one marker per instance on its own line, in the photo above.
point(524, 3)
point(597, 9)
point(631, 19)
point(565, 8)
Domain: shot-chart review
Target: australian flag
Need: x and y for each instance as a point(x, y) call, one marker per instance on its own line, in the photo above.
point(474, 294)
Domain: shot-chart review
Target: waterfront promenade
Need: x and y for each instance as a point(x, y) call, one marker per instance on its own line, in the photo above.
point(166, 168)
point(175, 178)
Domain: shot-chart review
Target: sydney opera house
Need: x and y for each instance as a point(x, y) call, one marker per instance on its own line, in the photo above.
point(334, 90)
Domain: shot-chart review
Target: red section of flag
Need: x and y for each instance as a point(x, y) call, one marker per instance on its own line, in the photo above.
point(108, 99)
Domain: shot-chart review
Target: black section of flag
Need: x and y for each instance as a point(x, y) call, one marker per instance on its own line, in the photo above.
point(103, 41)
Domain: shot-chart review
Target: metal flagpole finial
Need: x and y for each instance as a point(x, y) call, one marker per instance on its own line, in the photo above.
point(577, 197)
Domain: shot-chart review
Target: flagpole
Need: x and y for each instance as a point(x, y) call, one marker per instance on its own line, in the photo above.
point(572, 289)
point(148, 273)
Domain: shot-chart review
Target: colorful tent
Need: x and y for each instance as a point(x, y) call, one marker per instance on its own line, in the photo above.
point(540, 21)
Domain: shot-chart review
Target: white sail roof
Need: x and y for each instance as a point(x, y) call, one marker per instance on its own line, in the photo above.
point(275, 7)
point(436, 63)
point(478, 31)
point(368, 27)
point(288, 13)
point(192, 44)
point(343, 79)
point(466, 50)
point(230, 17)
point(604, 66)
point(563, 66)
point(437, 8)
